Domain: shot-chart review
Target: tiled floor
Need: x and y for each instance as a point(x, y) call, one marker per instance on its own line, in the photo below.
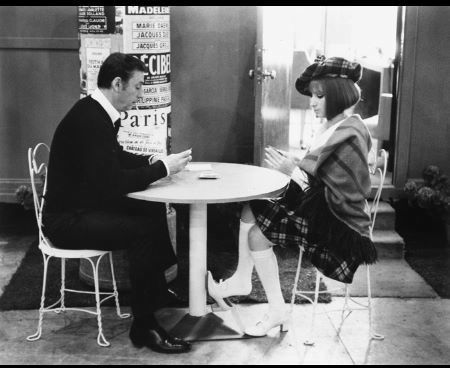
point(416, 330)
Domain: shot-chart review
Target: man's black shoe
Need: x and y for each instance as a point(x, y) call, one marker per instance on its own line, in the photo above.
point(158, 340)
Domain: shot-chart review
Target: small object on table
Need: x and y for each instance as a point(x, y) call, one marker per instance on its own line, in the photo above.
point(209, 175)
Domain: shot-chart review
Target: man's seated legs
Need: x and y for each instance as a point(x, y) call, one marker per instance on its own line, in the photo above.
point(146, 238)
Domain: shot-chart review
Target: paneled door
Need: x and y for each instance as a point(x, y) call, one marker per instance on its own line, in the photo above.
point(272, 78)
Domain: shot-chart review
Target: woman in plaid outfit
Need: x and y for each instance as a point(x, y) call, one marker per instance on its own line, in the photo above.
point(325, 207)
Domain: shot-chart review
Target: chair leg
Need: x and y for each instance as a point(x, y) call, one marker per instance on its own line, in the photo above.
point(38, 333)
point(294, 294)
point(100, 338)
point(297, 276)
point(346, 307)
point(116, 293)
point(373, 335)
point(63, 285)
point(310, 341)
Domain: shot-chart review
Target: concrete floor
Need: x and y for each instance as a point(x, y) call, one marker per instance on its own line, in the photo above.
point(416, 330)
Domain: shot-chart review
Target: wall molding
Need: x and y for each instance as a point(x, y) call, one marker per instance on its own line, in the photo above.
point(39, 43)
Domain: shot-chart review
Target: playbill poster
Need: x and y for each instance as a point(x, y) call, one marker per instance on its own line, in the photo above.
point(143, 32)
point(96, 19)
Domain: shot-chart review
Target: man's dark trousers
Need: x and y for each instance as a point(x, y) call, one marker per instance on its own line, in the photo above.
point(139, 227)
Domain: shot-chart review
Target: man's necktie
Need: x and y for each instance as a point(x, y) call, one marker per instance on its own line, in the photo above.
point(117, 126)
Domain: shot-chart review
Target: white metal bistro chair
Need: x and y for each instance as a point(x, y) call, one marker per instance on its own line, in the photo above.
point(49, 250)
point(347, 309)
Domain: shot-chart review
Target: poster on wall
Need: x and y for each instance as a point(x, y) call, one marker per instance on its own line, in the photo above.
point(146, 35)
point(144, 131)
point(96, 19)
point(94, 49)
point(156, 86)
point(97, 50)
point(143, 32)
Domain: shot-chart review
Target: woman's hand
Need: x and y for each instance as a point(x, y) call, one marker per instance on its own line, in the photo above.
point(280, 160)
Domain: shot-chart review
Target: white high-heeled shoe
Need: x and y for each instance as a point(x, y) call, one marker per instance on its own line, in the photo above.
point(214, 290)
point(269, 321)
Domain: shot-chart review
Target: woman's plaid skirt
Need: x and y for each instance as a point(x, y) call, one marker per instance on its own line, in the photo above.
point(281, 222)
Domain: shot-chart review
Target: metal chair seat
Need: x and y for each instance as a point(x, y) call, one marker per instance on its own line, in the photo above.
point(49, 249)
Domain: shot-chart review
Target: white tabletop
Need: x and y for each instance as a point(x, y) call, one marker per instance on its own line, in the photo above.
point(236, 182)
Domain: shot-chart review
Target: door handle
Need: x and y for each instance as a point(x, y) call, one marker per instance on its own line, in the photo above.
point(272, 74)
point(261, 75)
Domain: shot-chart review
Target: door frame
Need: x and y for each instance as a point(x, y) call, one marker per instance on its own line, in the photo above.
point(405, 88)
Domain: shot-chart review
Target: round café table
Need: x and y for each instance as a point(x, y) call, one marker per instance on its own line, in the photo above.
point(236, 183)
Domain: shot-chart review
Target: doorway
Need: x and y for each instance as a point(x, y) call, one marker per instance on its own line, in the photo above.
point(369, 35)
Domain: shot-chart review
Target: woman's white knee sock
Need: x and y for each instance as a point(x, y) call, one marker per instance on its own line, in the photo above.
point(267, 267)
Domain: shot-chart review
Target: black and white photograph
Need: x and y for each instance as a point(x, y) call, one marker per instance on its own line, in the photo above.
point(224, 185)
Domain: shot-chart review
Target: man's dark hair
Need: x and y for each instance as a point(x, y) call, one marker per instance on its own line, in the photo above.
point(118, 65)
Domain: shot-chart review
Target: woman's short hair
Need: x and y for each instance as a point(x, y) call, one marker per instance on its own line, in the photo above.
point(118, 65)
point(340, 94)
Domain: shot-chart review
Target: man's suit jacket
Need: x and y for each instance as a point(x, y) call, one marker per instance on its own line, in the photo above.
point(88, 168)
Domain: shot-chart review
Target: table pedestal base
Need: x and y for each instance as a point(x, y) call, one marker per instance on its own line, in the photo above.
point(217, 325)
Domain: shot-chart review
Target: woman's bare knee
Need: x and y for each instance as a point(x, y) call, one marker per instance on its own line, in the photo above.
point(257, 240)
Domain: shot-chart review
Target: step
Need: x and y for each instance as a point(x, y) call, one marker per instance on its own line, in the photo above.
point(389, 244)
point(385, 217)
point(389, 191)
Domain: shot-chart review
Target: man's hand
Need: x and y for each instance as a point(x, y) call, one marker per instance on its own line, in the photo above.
point(178, 161)
point(281, 160)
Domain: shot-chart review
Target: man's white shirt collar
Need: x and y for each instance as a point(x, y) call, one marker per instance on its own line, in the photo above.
point(98, 96)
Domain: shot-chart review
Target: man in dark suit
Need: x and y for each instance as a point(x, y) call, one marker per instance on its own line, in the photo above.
point(89, 174)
